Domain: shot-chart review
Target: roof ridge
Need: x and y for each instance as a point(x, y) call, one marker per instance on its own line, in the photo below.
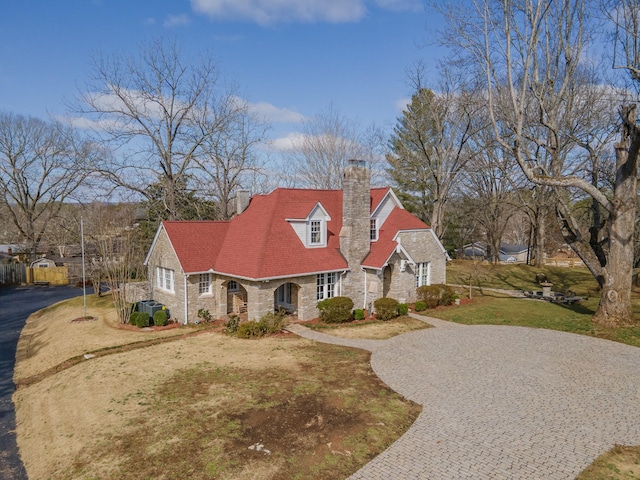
point(266, 235)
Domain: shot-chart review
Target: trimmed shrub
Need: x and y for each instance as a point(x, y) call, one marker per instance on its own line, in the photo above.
point(335, 310)
point(139, 319)
point(386, 308)
point(358, 314)
point(435, 295)
point(160, 318)
point(403, 309)
point(420, 306)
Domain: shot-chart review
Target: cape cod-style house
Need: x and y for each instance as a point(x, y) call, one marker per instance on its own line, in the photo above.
point(292, 248)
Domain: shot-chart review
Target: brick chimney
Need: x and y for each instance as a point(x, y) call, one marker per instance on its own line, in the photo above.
point(355, 233)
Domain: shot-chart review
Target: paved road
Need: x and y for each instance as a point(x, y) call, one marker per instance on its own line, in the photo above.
point(16, 304)
point(503, 402)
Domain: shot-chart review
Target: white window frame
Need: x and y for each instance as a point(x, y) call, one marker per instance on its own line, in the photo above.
point(326, 285)
point(319, 232)
point(204, 284)
point(423, 274)
point(165, 279)
point(233, 286)
point(373, 229)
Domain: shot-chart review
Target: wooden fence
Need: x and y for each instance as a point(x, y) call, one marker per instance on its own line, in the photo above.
point(13, 274)
point(50, 275)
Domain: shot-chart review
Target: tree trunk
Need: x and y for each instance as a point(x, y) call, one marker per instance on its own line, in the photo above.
point(540, 230)
point(615, 302)
point(437, 218)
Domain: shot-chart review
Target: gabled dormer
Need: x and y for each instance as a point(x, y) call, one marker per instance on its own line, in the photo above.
point(381, 212)
point(312, 230)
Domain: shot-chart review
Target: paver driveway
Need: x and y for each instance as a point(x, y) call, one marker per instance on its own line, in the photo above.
point(503, 402)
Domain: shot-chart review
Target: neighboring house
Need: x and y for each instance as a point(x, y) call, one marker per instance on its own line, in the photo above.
point(295, 247)
point(43, 263)
point(508, 253)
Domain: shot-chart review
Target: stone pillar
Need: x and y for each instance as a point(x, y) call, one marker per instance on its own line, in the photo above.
point(355, 232)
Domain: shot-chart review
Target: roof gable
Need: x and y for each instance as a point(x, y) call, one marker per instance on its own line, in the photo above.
point(381, 250)
point(196, 243)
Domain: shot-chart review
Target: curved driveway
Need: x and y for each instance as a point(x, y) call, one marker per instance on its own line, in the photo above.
point(16, 304)
point(503, 402)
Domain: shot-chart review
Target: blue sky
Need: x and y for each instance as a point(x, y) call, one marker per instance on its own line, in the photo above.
point(295, 57)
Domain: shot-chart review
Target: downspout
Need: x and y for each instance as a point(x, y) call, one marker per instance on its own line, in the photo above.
point(341, 277)
point(186, 301)
point(364, 307)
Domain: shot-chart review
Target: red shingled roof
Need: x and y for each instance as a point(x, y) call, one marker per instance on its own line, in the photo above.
point(196, 243)
point(260, 243)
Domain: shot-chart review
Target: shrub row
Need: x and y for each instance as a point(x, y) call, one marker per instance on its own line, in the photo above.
point(139, 319)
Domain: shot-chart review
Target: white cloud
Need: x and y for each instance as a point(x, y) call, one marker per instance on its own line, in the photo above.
point(268, 12)
point(176, 20)
point(84, 123)
point(275, 114)
point(288, 143)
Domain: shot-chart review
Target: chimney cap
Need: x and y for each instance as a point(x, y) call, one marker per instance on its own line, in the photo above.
point(353, 162)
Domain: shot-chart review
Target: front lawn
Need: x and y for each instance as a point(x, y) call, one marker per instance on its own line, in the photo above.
point(203, 407)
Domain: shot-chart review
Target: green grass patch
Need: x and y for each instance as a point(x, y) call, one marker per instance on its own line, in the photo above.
point(521, 277)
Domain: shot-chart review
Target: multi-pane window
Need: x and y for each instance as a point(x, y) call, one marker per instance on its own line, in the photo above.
point(204, 286)
point(165, 279)
point(373, 235)
point(325, 285)
point(316, 232)
point(422, 274)
point(232, 286)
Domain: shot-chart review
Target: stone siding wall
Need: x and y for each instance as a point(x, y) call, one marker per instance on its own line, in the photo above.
point(261, 296)
point(355, 233)
point(164, 256)
point(423, 247)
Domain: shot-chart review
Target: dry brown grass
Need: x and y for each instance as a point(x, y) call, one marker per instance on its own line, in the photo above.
point(50, 337)
point(374, 330)
point(619, 463)
point(192, 407)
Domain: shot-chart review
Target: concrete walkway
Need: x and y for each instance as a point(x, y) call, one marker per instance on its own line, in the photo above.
point(502, 402)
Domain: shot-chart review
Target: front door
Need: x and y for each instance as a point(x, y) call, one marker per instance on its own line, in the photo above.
point(283, 297)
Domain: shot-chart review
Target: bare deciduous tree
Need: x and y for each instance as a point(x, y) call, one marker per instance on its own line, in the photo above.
point(327, 141)
point(41, 165)
point(529, 54)
point(228, 156)
point(157, 112)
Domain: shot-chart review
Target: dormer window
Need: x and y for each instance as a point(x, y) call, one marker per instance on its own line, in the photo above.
point(312, 227)
point(373, 235)
point(315, 237)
